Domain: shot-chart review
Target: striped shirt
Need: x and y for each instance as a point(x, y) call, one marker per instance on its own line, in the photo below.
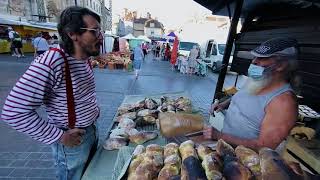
point(44, 84)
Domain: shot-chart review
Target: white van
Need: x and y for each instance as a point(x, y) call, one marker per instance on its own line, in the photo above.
point(212, 53)
point(186, 46)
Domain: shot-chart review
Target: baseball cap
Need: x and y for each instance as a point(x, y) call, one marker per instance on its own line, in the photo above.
point(10, 28)
point(281, 46)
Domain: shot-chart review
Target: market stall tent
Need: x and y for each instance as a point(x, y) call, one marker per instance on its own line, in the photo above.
point(169, 37)
point(135, 42)
point(144, 38)
point(27, 30)
point(129, 36)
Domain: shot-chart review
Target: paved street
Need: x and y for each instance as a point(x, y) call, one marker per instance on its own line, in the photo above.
point(23, 158)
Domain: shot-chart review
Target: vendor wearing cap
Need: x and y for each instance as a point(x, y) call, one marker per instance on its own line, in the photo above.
point(263, 112)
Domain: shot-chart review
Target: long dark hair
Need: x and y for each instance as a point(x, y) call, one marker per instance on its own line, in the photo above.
point(71, 20)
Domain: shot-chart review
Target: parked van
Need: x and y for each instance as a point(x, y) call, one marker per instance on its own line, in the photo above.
point(186, 46)
point(212, 54)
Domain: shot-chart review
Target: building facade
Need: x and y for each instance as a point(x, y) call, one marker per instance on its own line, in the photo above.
point(106, 14)
point(45, 11)
point(153, 29)
point(138, 26)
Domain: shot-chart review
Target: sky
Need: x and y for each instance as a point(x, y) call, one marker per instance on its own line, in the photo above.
point(172, 13)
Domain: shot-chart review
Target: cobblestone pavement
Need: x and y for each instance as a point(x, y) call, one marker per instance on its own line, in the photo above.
point(23, 158)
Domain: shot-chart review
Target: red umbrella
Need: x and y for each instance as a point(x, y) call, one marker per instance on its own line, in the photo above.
point(174, 52)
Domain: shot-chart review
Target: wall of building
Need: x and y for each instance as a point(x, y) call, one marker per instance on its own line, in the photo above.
point(138, 29)
point(24, 10)
point(94, 5)
point(157, 32)
point(17, 9)
point(138, 33)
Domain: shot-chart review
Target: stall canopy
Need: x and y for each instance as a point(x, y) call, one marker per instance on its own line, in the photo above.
point(144, 38)
point(220, 7)
point(134, 43)
point(30, 25)
point(129, 36)
point(169, 37)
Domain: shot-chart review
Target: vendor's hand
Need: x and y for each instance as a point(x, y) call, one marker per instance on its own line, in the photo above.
point(211, 133)
point(216, 108)
point(72, 137)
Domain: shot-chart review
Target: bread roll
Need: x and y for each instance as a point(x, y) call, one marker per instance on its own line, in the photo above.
point(171, 168)
point(171, 149)
point(142, 137)
point(224, 149)
point(212, 167)
point(234, 170)
point(249, 159)
point(187, 149)
point(203, 151)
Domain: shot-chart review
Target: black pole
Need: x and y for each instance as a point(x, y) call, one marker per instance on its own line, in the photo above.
point(75, 3)
point(230, 41)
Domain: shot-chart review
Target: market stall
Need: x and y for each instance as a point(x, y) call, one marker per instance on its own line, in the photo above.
point(221, 160)
point(138, 146)
point(27, 31)
point(103, 164)
point(113, 60)
point(263, 20)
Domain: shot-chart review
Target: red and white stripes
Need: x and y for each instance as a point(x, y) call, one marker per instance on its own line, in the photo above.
point(44, 84)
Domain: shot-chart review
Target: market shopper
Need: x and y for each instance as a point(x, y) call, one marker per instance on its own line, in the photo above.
point(10, 35)
point(138, 57)
point(40, 45)
point(193, 59)
point(167, 52)
point(63, 81)
point(144, 49)
point(263, 112)
point(16, 43)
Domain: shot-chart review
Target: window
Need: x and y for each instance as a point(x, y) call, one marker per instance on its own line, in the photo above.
point(152, 32)
point(214, 50)
point(187, 46)
point(152, 25)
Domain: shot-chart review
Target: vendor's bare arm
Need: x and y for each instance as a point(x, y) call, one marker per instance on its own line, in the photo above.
point(281, 114)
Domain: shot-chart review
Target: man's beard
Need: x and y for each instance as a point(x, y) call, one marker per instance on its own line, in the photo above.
point(89, 50)
point(253, 86)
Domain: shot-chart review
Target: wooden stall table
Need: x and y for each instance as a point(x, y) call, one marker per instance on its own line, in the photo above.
point(306, 152)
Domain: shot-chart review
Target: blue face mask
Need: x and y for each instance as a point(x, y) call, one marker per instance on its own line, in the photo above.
point(259, 72)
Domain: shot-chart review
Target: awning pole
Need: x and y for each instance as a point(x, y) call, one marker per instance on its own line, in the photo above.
point(226, 56)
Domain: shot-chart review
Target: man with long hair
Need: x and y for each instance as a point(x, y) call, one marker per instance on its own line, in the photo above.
point(62, 80)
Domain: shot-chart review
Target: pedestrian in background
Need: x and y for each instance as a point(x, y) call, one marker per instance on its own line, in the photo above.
point(167, 52)
point(12, 48)
point(40, 45)
point(162, 51)
point(62, 80)
point(158, 51)
point(138, 57)
point(193, 59)
point(16, 43)
point(144, 48)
